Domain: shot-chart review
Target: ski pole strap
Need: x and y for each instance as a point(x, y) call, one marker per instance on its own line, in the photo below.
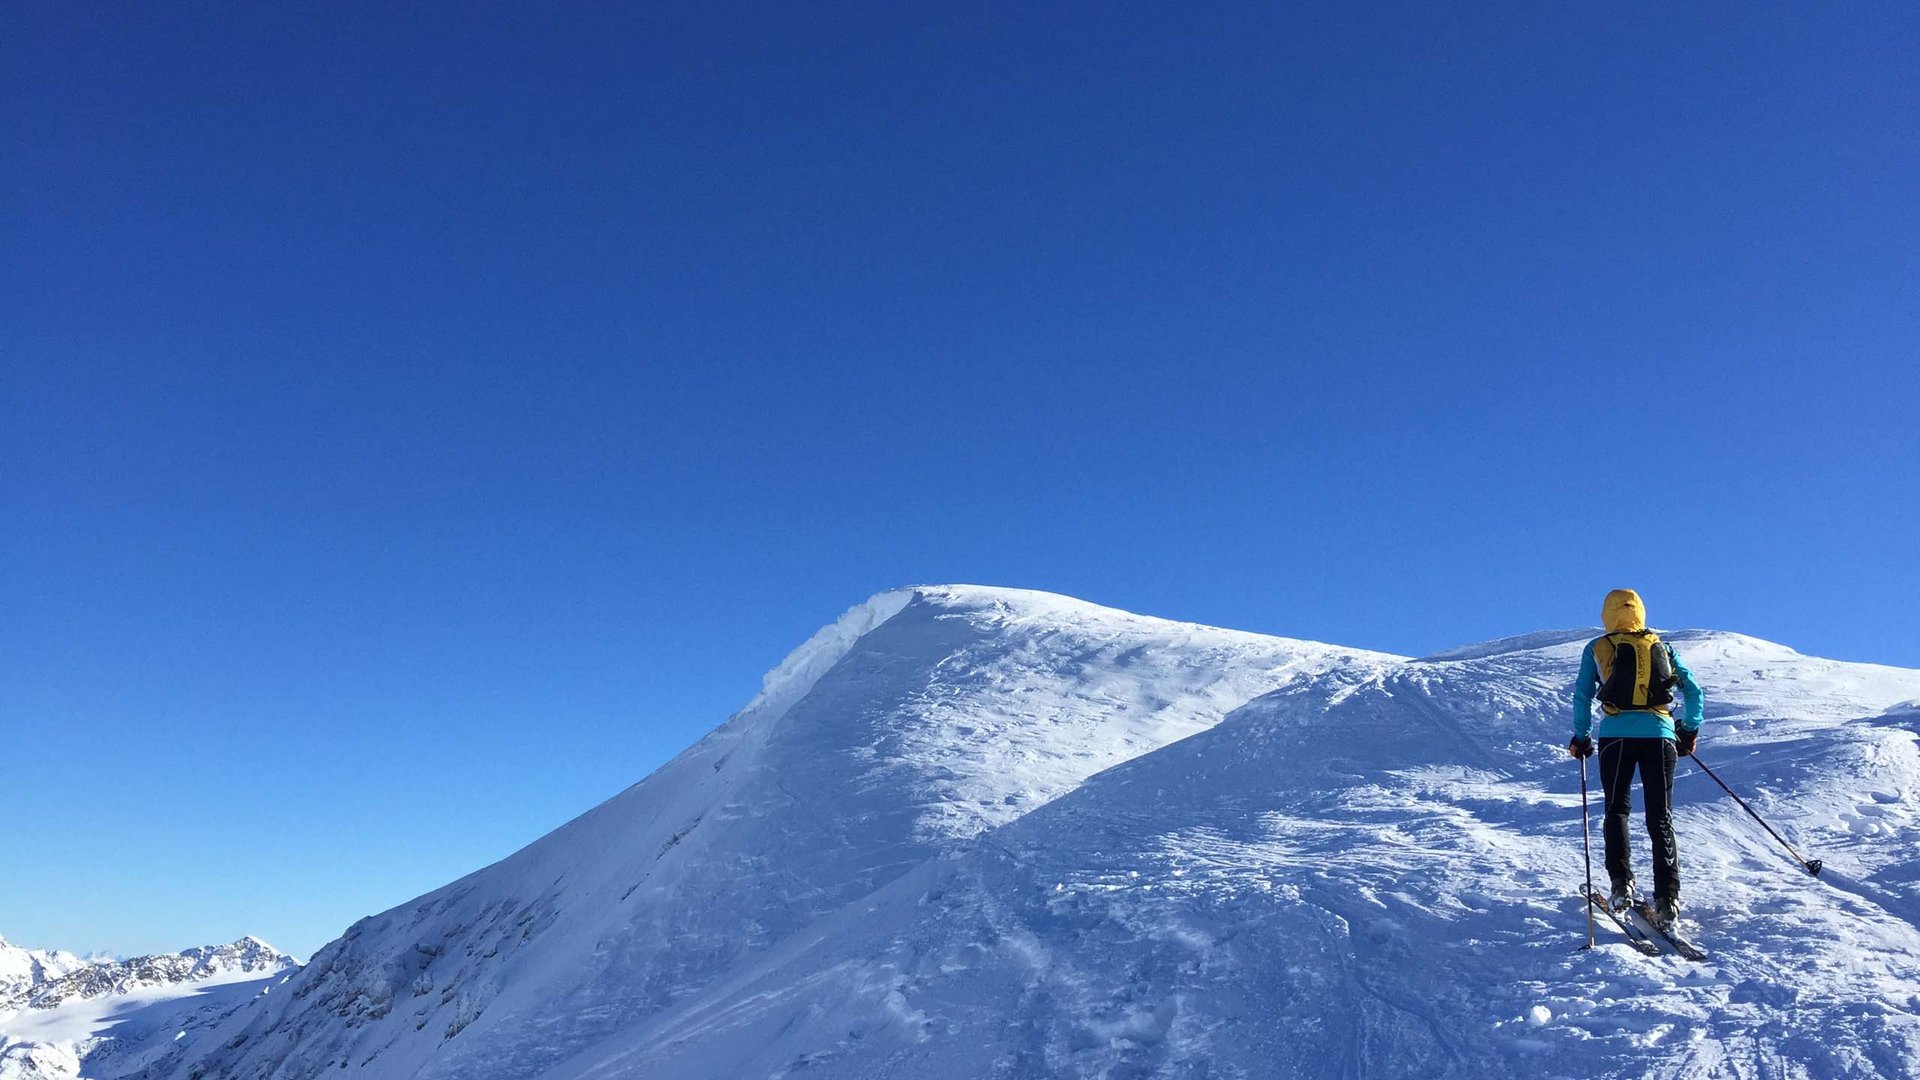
point(1811, 866)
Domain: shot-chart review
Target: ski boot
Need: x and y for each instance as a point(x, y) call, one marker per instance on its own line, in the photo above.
point(1666, 913)
point(1624, 896)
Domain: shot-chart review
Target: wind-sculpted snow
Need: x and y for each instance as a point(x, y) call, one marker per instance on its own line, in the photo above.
point(1371, 873)
point(802, 668)
point(914, 724)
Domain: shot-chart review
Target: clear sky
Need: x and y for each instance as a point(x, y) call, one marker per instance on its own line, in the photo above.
point(419, 422)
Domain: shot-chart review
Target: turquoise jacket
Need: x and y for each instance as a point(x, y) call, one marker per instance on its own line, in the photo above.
point(1639, 723)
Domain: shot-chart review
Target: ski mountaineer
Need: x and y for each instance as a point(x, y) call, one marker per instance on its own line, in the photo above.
point(1634, 673)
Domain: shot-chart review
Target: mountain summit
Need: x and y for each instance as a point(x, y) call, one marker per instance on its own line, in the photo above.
point(969, 832)
point(23, 969)
point(915, 722)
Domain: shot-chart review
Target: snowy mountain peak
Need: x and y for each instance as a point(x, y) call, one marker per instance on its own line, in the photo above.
point(1012, 607)
point(249, 953)
point(914, 722)
point(989, 604)
point(23, 969)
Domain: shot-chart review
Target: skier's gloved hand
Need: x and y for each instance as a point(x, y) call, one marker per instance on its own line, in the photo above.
point(1580, 747)
point(1685, 740)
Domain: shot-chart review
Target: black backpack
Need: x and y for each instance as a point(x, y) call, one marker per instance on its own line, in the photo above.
point(1636, 672)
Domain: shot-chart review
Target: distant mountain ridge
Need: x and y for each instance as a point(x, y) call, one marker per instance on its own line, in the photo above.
point(83, 980)
point(62, 1016)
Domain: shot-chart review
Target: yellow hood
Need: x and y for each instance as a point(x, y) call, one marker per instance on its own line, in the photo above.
point(1623, 612)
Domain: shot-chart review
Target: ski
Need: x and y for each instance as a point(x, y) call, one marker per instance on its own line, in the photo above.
point(1635, 936)
point(1680, 944)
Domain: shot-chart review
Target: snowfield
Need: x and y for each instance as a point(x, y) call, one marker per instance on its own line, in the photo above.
point(969, 832)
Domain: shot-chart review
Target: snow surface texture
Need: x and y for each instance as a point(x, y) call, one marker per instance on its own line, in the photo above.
point(983, 833)
point(107, 1018)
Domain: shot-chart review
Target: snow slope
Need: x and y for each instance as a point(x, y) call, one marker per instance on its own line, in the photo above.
point(1370, 873)
point(917, 722)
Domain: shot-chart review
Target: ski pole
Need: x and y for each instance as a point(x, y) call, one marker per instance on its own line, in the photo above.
point(1811, 866)
point(1586, 843)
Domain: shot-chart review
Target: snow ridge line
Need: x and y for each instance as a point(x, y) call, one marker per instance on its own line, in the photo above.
point(805, 666)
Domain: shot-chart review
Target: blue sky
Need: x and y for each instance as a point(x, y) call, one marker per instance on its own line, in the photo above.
point(420, 424)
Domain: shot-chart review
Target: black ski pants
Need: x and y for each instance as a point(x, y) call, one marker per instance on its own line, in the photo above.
point(1654, 758)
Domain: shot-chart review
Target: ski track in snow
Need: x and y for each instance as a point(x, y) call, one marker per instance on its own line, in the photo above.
point(970, 832)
